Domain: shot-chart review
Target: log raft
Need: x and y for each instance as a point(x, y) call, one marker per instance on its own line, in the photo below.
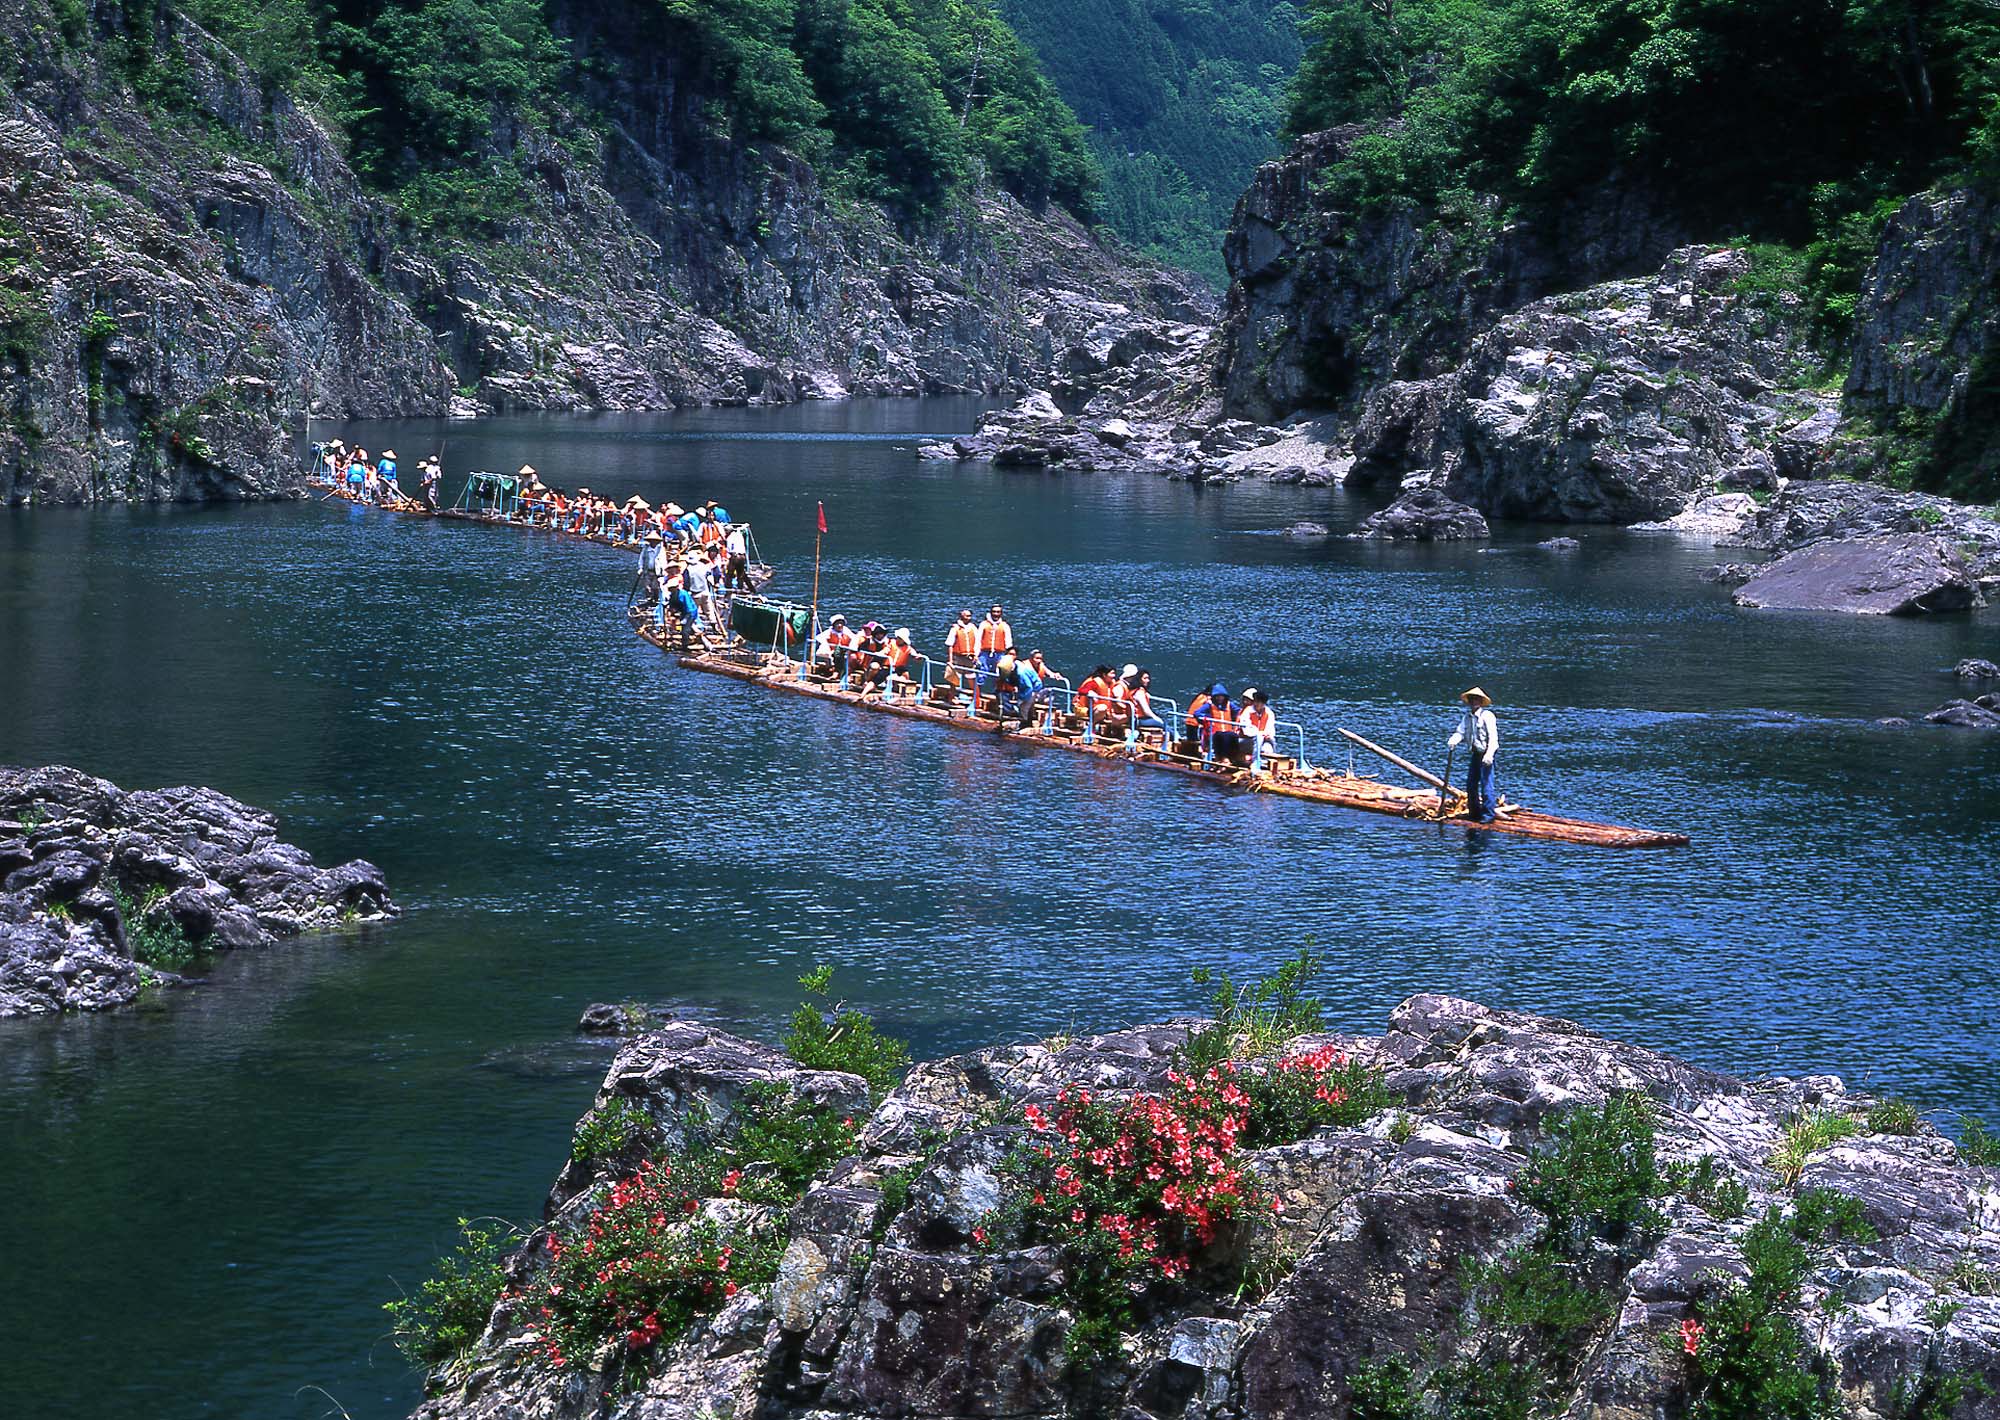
point(1314, 785)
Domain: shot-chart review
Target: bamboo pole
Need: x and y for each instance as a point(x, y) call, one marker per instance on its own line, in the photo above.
point(1397, 760)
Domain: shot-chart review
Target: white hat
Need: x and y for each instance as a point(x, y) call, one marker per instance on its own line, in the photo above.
point(673, 510)
point(1129, 671)
point(902, 633)
point(388, 453)
point(838, 619)
point(527, 468)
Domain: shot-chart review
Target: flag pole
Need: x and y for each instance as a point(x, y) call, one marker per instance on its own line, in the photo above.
point(812, 630)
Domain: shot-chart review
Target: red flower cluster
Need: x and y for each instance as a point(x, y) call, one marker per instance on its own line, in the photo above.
point(1142, 1187)
point(633, 1268)
point(1691, 1336)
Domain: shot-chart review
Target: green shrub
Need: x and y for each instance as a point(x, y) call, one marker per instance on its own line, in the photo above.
point(830, 1035)
point(608, 1132)
point(781, 1142)
point(1598, 1176)
point(1805, 1136)
point(155, 938)
point(1750, 1357)
point(1977, 1145)
point(1536, 1288)
point(1824, 1216)
point(449, 1311)
point(1712, 1191)
point(1259, 1018)
point(1893, 1117)
point(1384, 1390)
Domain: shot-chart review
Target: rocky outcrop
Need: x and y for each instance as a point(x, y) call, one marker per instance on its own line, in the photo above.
point(1424, 515)
point(184, 275)
point(1326, 303)
point(1874, 576)
point(1808, 513)
point(1623, 403)
point(1980, 714)
point(95, 880)
point(1976, 668)
point(893, 1299)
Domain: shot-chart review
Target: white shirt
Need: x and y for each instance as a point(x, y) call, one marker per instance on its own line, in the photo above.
point(1481, 729)
point(738, 544)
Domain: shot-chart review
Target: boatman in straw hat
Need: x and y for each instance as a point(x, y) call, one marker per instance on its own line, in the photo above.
point(1480, 733)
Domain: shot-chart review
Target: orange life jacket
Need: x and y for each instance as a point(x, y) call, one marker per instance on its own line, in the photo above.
point(1093, 693)
point(995, 636)
point(839, 636)
point(1257, 719)
point(964, 639)
point(711, 533)
point(1195, 710)
point(1220, 717)
point(899, 655)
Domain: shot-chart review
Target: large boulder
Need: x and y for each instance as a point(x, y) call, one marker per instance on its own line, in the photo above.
point(1872, 576)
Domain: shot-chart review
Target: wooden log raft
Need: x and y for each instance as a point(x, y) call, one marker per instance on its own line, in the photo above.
point(1315, 785)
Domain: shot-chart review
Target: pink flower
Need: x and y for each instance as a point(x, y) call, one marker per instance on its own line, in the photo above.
point(1691, 1336)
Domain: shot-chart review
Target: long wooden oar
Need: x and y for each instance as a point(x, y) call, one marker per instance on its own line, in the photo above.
point(1397, 760)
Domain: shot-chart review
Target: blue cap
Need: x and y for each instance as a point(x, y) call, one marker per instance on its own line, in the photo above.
point(1219, 689)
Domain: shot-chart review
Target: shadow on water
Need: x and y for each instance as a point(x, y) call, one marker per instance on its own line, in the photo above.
point(222, 1190)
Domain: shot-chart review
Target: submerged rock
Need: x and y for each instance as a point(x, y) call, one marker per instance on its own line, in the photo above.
point(1877, 576)
point(1424, 515)
point(1973, 668)
point(96, 875)
point(1980, 714)
point(899, 1290)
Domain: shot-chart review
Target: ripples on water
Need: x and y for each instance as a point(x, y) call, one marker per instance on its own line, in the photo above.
point(224, 1187)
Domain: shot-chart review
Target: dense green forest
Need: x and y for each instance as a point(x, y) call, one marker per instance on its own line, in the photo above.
point(882, 95)
point(1183, 99)
point(1794, 121)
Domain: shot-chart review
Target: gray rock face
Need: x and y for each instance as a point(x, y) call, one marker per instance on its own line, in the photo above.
point(194, 305)
point(912, 1315)
point(1974, 668)
point(211, 866)
point(1875, 576)
point(1806, 513)
point(1424, 515)
point(1623, 403)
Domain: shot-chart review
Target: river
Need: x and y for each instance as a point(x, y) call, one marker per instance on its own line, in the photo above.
point(211, 1197)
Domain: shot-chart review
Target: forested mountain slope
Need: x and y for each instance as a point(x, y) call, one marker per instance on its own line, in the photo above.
point(220, 211)
point(1183, 98)
point(1458, 159)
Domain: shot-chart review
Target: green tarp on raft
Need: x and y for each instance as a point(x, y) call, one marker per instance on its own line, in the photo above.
point(762, 622)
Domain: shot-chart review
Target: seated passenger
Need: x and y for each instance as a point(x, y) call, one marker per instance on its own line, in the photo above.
point(1259, 727)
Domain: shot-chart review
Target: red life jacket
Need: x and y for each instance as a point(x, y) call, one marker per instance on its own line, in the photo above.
point(995, 635)
point(964, 639)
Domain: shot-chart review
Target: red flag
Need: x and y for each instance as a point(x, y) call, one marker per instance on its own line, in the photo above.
point(822, 517)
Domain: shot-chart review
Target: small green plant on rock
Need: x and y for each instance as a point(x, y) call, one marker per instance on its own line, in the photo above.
point(449, 1311)
point(1384, 1390)
point(1978, 1145)
point(826, 1034)
point(1711, 1190)
point(1892, 1116)
point(1259, 1018)
point(1969, 1277)
point(1806, 1135)
point(1824, 1216)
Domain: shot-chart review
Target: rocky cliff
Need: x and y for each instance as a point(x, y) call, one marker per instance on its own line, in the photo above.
point(105, 893)
point(1475, 1213)
point(187, 263)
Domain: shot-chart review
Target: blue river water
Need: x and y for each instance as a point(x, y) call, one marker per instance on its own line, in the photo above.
point(213, 1195)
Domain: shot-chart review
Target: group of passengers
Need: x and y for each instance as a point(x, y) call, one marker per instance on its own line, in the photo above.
point(982, 664)
point(633, 523)
point(374, 481)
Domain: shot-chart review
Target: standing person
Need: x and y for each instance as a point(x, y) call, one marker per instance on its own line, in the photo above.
point(696, 581)
point(652, 563)
point(1480, 732)
point(1260, 727)
point(996, 639)
point(357, 474)
point(961, 645)
point(430, 482)
point(385, 473)
point(738, 572)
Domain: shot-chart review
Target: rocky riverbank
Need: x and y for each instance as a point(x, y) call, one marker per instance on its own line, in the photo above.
point(1480, 1210)
point(106, 892)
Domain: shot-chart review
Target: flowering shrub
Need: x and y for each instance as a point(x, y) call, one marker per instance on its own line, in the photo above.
point(638, 1270)
point(1297, 1094)
point(1133, 1192)
point(1747, 1348)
